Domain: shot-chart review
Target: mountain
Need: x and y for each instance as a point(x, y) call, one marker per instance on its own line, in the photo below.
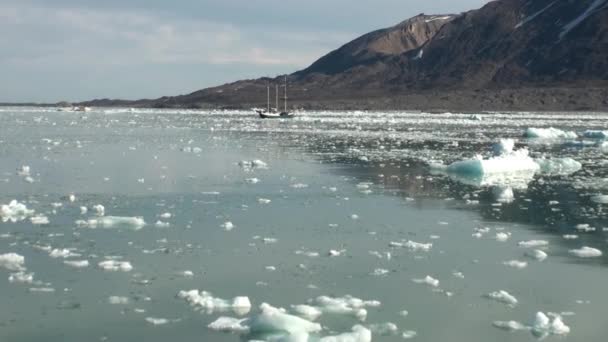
point(509, 54)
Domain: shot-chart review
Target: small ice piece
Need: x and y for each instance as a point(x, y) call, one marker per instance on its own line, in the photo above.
point(165, 216)
point(503, 297)
point(428, 280)
point(227, 225)
point(380, 272)
point(335, 253)
point(308, 312)
point(595, 134)
point(570, 236)
point(263, 200)
point(346, 305)
point(24, 171)
point(536, 254)
point(510, 325)
point(358, 334)
point(299, 186)
point(354, 216)
point(533, 243)
point(83, 210)
point(384, 329)
point(205, 300)
point(42, 289)
point(503, 194)
point(14, 212)
point(187, 273)
point(161, 224)
point(417, 246)
point(585, 227)
point(270, 268)
point(110, 222)
point(408, 334)
point(115, 265)
point(77, 263)
point(117, 300)
point(544, 326)
point(72, 198)
point(99, 209)
point(12, 262)
point(39, 220)
point(274, 320)
point(62, 253)
point(586, 252)
point(504, 146)
point(502, 237)
point(141, 180)
point(157, 321)
point(516, 264)
point(252, 180)
point(558, 166)
point(601, 199)
point(21, 278)
point(229, 324)
point(548, 133)
point(458, 274)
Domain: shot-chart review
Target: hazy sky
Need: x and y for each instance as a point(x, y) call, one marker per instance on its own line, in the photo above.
point(52, 50)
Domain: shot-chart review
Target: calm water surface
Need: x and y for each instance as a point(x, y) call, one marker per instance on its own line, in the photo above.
point(348, 182)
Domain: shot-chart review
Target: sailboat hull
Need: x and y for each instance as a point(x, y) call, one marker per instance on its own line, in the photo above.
point(283, 115)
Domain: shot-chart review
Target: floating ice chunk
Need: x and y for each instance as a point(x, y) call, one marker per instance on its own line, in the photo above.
point(358, 334)
point(537, 254)
point(544, 326)
point(161, 224)
point(14, 212)
point(205, 300)
point(354, 216)
point(117, 300)
point(595, 134)
point(72, 198)
point(21, 278)
point(165, 216)
point(110, 222)
point(503, 297)
point(251, 164)
point(548, 133)
point(24, 171)
point(62, 253)
point(335, 253)
point(270, 268)
point(39, 220)
point(503, 194)
point(428, 280)
point(570, 236)
point(585, 227)
point(227, 225)
point(115, 265)
point(274, 320)
point(533, 243)
point(346, 305)
point(12, 262)
point(299, 186)
point(42, 289)
point(157, 321)
point(384, 329)
point(601, 199)
point(230, 324)
point(510, 325)
point(83, 210)
point(417, 246)
point(252, 180)
point(408, 334)
point(263, 200)
point(77, 263)
point(99, 209)
point(502, 237)
point(504, 146)
point(516, 264)
point(586, 252)
point(380, 272)
point(558, 166)
point(308, 312)
point(187, 273)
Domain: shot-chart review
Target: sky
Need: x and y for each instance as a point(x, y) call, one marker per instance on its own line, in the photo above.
point(74, 50)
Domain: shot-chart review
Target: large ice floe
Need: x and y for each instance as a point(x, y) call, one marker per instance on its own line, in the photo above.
point(12, 262)
point(205, 301)
point(14, 212)
point(549, 133)
point(508, 167)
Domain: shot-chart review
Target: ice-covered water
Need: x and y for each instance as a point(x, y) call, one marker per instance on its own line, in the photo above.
point(156, 225)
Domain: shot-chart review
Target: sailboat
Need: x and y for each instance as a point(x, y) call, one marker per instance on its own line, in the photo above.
point(274, 113)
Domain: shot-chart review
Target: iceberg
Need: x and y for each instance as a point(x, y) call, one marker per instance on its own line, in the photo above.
point(549, 133)
point(595, 134)
point(14, 212)
point(558, 166)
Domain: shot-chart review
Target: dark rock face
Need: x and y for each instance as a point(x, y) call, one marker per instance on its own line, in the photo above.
point(556, 46)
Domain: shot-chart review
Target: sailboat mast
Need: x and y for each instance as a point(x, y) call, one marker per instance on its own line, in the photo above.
point(276, 97)
point(285, 94)
point(268, 97)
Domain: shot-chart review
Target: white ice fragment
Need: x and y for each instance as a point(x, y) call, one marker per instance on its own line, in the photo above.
point(187, 273)
point(117, 300)
point(503, 194)
point(24, 171)
point(510, 325)
point(558, 166)
point(229, 324)
point(83, 210)
point(227, 225)
point(601, 199)
point(99, 209)
point(346, 305)
point(586, 252)
point(14, 212)
point(503, 297)
point(110, 222)
point(408, 334)
point(502, 237)
point(77, 263)
point(544, 326)
point(263, 200)
point(115, 265)
point(39, 220)
point(161, 224)
point(380, 272)
point(62, 253)
point(12, 262)
point(428, 280)
point(308, 312)
point(205, 300)
point(384, 329)
point(570, 236)
point(536, 254)
point(165, 216)
point(157, 321)
point(595, 134)
point(516, 264)
point(548, 133)
point(274, 320)
point(533, 243)
point(21, 278)
point(72, 198)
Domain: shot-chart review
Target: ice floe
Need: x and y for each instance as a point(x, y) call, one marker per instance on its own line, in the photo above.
point(543, 325)
point(428, 280)
point(110, 222)
point(536, 254)
point(12, 262)
point(516, 264)
point(549, 133)
point(205, 301)
point(533, 243)
point(39, 220)
point(118, 300)
point(586, 252)
point(77, 263)
point(503, 297)
point(14, 212)
point(115, 265)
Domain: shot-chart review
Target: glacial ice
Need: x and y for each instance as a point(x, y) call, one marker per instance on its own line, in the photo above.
point(503, 297)
point(77, 263)
point(544, 326)
point(14, 212)
point(205, 300)
point(110, 222)
point(533, 243)
point(118, 300)
point(516, 264)
point(548, 133)
point(358, 334)
point(12, 262)
point(428, 280)
point(115, 265)
point(586, 252)
point(558, 166)
point(595, 134)
point(537, 254)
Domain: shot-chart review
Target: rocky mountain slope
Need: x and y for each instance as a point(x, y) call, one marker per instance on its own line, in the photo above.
point(502, 52)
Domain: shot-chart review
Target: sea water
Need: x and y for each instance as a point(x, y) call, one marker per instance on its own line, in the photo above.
point(110, 217)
